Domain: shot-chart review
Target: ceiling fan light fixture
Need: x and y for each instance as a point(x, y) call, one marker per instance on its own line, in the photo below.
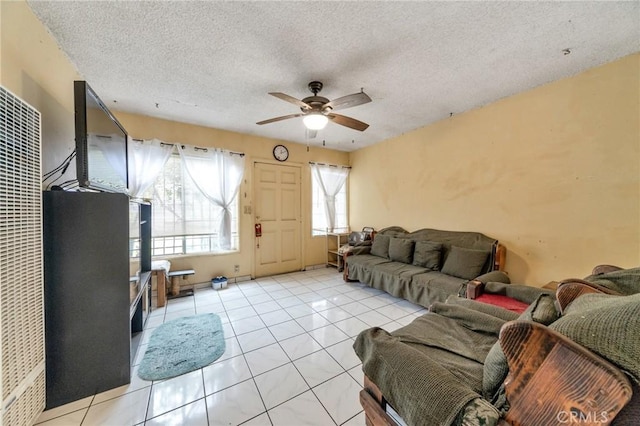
point(315, 121)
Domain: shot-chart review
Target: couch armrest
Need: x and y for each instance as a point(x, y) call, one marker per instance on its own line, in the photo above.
point(474, 289)
point(551, 377)
point(571, 289)
point(494, 277)
point(605, 269)
point(500, 259)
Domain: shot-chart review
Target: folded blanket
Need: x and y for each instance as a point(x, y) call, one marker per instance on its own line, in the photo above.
point(430, 369)
point(419, 389)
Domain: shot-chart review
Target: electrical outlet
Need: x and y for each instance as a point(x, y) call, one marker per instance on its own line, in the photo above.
point(247, 209)
point(236, 268)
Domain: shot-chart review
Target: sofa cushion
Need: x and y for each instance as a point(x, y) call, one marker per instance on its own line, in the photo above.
point(542, 311)
point(392, 277)
point(464, 263)
point(365, 260)
point(380, 246)
point(494, 277)
point(502, 301)
point(401, 250)
point(427, 254)
point(360, 266)
point(433, 286)
point(607, 325)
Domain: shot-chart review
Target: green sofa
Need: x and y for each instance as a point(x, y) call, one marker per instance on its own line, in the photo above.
point(462, 363)
point(427, 265)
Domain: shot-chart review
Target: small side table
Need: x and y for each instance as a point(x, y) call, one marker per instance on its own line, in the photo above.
point(160, 268)
point(551, 285)
point(335, 240)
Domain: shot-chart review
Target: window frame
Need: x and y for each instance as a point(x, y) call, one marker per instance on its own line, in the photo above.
point(315, 188)
point(180, 246)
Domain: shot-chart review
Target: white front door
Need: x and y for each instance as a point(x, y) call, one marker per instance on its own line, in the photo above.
point(277, 210)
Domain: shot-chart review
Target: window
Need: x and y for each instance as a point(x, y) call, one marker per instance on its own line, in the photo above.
point(319, 219)
point(184, 221)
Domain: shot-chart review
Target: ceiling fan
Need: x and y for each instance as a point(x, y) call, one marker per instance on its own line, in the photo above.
point(318, 110)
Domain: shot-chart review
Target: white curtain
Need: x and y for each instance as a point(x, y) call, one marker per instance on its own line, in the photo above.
point(218, 175)
point(330, 179)
point(146, 160)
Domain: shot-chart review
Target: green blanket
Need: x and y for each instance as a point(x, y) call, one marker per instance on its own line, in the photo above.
point(430, 369)
point(624, 281)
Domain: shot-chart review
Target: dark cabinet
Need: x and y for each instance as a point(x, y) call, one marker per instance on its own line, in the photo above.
point(87, 299)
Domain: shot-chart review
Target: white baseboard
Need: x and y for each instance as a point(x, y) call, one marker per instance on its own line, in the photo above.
point(311, 267)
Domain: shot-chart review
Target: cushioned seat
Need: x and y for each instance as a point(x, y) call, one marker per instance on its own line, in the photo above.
point(432, 368)
point(367, 259)
point(360, 266)
point(501, 301)
point(393, 277)
point(448, 367)
point(434, 286)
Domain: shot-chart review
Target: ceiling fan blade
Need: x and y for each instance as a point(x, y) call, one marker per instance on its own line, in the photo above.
point(348, 101)
point(311, 133)
point(284, 117)
point(290, 99)
point(352, 123)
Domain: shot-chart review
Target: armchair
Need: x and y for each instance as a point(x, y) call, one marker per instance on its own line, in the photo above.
point(539, 382)
point(443, 368)
point(605, 279)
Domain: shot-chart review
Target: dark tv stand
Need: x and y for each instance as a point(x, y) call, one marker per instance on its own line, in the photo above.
point(90, 314)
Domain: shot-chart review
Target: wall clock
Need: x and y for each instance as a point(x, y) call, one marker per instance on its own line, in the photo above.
point(280, 153)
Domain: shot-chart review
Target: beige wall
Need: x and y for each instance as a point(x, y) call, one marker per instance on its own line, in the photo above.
point(553, 173)
point(34, 68)
point(256, 149)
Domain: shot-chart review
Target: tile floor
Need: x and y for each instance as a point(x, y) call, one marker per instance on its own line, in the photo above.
point(288, 358)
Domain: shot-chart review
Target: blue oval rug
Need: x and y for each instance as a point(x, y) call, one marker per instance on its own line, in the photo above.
point(182, 345)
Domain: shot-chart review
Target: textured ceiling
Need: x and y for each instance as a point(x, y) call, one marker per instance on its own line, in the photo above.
point(212, 63)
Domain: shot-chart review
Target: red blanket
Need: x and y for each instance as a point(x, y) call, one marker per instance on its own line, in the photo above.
point(503, 301)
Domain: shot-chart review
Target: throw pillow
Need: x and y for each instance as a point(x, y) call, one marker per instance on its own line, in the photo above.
point(380, 246)
point(464, 263)
point(542, 311)
point(401, 250)
point(427, 255)
point(607, 325)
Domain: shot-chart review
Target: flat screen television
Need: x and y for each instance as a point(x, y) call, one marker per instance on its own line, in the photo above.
point(101, 143)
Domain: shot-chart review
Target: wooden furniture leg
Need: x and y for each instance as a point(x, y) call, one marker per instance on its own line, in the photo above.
point(374, 404)
point(162, 287)
point(175, 276)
